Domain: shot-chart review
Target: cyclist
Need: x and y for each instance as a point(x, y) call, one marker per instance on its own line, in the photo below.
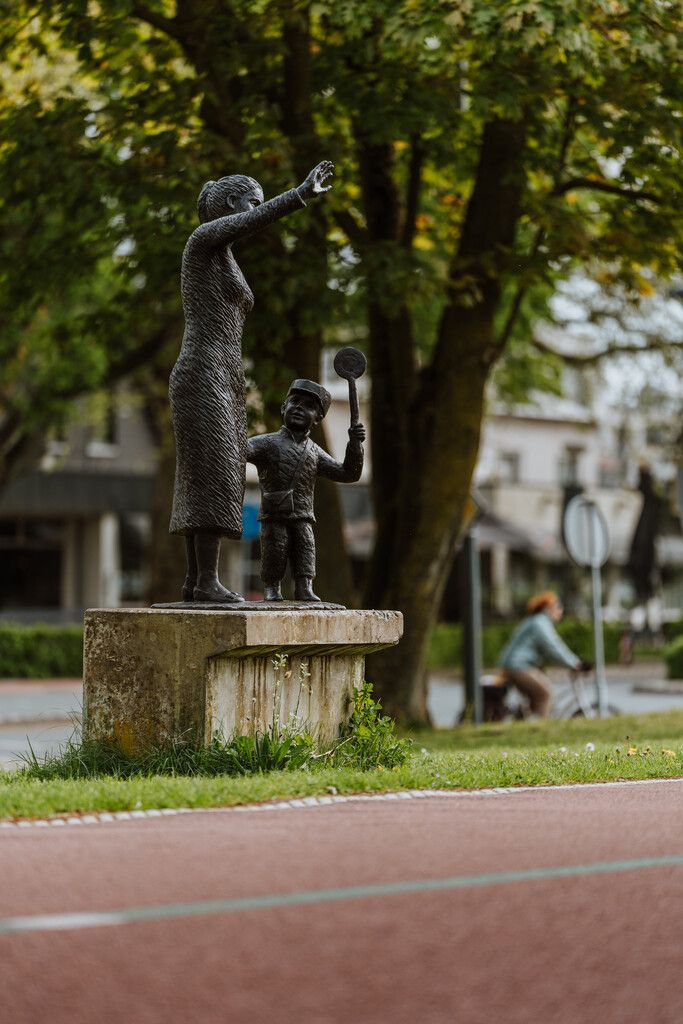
point(533, 644)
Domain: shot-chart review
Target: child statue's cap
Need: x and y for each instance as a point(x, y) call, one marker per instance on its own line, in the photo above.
point(311, 388)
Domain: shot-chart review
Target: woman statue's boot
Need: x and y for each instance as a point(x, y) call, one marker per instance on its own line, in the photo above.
point(208, 587)
point(191, 576)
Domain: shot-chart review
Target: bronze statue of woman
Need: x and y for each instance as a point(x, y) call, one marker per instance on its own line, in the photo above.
point(207, 388)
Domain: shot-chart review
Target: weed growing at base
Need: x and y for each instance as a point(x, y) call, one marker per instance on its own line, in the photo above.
point(369, 741)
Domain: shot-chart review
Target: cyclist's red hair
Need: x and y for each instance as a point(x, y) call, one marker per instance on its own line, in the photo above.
point(539, 602)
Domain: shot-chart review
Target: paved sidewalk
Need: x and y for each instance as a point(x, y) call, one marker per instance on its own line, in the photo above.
point(42, 713)
point(31, 700)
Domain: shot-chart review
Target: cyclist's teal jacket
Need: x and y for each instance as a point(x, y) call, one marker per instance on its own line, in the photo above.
point(534, 643)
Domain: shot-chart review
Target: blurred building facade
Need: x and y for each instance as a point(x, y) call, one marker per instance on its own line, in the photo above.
point(75, 531)
point(534, 458)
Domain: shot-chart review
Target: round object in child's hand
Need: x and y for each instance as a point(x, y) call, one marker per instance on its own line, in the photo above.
point(350, 363)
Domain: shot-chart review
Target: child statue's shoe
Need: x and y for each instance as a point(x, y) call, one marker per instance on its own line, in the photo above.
point(273, 593)
point(303, 589)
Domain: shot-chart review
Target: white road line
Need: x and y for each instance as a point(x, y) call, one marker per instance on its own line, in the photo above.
point(69, 921)
point(108, 817)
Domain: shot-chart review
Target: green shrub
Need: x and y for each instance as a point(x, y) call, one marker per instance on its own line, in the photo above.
point(579, 636)
point(445, 646)
point(494, 638)
point(40, 652)
point(672, 630)
point(369, 739)
point(673, 656)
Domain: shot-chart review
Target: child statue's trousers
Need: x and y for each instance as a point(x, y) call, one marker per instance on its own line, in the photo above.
point(284, 540)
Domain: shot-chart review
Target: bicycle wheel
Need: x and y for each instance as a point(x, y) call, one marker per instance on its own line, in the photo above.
point(611, 710)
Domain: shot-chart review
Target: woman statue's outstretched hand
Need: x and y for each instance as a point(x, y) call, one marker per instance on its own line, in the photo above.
point(315, 182)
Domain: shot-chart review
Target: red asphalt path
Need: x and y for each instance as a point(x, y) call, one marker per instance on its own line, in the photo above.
point(596, 947)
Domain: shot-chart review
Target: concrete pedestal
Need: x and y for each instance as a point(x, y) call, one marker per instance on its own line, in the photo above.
point(152, 673)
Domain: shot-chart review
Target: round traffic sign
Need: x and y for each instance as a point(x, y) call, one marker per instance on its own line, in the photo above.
point(585, 533)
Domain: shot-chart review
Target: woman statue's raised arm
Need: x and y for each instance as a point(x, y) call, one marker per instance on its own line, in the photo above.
point(246, 212)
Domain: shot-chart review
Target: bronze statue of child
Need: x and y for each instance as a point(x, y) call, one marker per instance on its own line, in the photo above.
point(288, 463)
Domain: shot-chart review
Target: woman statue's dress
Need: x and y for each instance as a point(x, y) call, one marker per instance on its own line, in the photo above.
point(207, 388)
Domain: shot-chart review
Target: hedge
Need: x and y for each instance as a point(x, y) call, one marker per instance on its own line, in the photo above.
point(44, 652)
point(445, 647)
point(40, 652)
point(673, 656)
point(672, 630)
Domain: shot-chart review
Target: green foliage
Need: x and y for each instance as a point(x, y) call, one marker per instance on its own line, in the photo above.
point(445, 648)
point(673, 656)
point(271, 751)
point(672, 630)
point(104, 152)
point(369, 740)
point(579, 636)
point(40, 652)
point(242, 755)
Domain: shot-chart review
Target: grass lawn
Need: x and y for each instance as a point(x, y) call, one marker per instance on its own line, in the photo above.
point(540, 753)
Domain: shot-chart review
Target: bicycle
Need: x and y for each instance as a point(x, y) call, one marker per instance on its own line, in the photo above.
point(571, 700)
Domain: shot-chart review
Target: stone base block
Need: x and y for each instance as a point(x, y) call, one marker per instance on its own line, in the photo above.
point(153, 673)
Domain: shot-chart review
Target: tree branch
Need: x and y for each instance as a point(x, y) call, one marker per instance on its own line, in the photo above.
point(352, 228)
point(600, 185)
point(591, 358)
point(412, 200)
point(568, 129)
point(154, 19)
point(516, 306)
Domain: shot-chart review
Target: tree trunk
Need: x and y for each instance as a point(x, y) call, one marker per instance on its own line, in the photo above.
point(167, 551)
point(433, 458)
point(166, 559)
point(418, 575)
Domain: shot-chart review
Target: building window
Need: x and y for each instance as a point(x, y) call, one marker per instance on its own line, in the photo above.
point(657, 435)
point(31, 560)
point(508, 467)
point(569, 465)
point(104, 435)
point(611, 473)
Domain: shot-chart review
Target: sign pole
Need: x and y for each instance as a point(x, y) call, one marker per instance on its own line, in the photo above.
point(586, 537)
point(598, 642)
point(472, 627)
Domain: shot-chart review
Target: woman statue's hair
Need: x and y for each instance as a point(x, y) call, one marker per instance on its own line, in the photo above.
point(212, 201)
